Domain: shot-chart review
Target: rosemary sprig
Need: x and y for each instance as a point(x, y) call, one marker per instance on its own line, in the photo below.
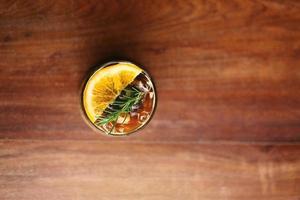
point(123, 105)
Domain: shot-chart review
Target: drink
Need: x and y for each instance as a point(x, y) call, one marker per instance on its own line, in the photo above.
point(119, 98)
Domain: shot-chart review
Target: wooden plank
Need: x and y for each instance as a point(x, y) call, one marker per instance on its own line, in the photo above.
point(224, 70)
point(32, 170)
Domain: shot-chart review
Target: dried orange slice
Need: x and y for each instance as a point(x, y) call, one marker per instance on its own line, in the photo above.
point(103, 87)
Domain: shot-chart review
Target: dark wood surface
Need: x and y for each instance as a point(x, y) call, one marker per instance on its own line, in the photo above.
point(227, 124)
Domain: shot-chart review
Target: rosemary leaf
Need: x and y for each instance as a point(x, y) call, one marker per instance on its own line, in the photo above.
point(130, 97)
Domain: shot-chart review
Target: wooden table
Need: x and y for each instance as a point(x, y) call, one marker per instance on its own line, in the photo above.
point(227, 125)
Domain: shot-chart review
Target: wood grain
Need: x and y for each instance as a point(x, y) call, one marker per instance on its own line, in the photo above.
point(227, 124)
point(224, 70)
point(32, 170)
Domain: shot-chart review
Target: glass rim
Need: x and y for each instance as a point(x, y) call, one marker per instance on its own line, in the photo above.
point(89, 74)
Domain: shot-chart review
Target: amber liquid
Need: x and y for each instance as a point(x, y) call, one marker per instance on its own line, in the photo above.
point(140, 114)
